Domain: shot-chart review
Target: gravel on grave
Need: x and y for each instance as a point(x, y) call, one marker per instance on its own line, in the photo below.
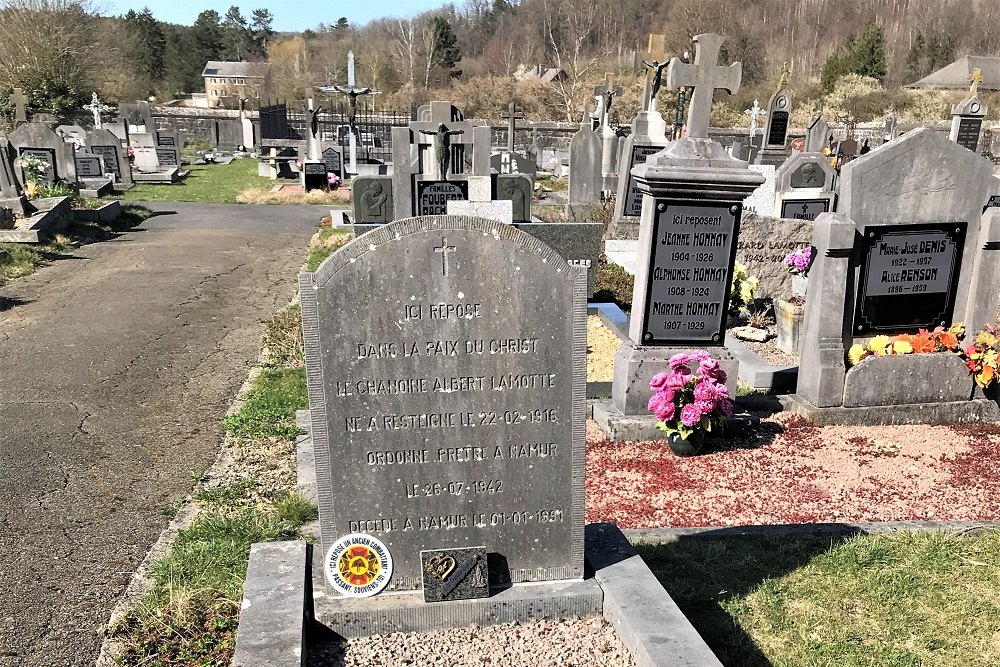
point(587, 642)
point(602, 344)
point(770, 353)
point(789, 471)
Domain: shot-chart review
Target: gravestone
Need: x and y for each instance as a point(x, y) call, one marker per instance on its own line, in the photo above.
point(167, 138)
point(168, 155)
point(910, 248)
point(516, 188)
point(104, 143)
point(144, 151)
point(513, 163)
point(334, 161)
point(693, 191)
point(610, 145)
point(458, 409)
point(579, 243)
point(774, 150)
point(73, 134)
point(444, 150)
point(762, 246)
point(585, 179)
point(817, 134)
point(147, 155)
point(967, 117)
point(227, 134)
point(372, 199)
point(89, 166)
point(11, 189)
point(314, 175)
point(39, 140)
point(805, 187)
point(137, 117)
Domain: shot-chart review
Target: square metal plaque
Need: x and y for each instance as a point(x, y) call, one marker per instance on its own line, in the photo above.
point(908, 277)
point(455, 574)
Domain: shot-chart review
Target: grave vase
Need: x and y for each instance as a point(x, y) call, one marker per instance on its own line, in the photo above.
point(688, 446)
point(992, 391)
point(800, 284)
point(788, 323)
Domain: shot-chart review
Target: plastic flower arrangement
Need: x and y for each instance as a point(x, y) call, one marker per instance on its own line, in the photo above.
point(685, 402)
point(33, 167)
point(922, 342)
point(981, 357)
point(799, 261)
point(743, 289)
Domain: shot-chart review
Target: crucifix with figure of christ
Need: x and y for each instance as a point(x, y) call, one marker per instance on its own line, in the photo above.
point(656, 53)
point(705, 76)
point(444, 250)
point(607, 93)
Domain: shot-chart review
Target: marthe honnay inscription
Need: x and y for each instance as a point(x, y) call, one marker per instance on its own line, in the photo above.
point(689, 272)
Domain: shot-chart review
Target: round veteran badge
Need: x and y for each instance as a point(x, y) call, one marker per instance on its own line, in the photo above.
point(358, 565)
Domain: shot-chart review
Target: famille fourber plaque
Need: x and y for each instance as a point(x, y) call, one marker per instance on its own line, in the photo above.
point(694, 246)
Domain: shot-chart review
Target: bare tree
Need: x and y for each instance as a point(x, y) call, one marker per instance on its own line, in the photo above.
point(571, 34)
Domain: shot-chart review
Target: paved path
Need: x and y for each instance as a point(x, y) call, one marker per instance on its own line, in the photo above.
point(116, 365)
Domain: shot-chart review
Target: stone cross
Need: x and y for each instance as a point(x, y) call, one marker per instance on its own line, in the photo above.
point(705, 76)
point(511, 116)
point(444, 249)
point(785, 71)
point(96, 107)
point(754, 113)
point(607, 95)
point(977, 76)
point(656, 52)
point(20, 101)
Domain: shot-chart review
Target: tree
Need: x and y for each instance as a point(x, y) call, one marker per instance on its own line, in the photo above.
point(931, 50)
point(261, 31)
point(148, 44)
point(862, 54)
point(341, 24)
point(236, 35)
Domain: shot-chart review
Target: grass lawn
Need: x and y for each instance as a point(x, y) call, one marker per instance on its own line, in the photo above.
point(211, 184)
point(903, 599)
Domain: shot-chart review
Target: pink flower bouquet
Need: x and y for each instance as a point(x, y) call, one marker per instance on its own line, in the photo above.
point(685, 402)
point(798, 262)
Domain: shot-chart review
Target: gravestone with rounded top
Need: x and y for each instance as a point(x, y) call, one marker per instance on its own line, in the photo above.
point(446, 370)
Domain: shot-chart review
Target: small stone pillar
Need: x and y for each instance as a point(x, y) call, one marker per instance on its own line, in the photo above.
point(984, 299)
point(822, 361)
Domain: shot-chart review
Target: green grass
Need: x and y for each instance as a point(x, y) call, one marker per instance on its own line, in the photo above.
point(269, 408)
point(324, 245)
point(903, 599)
point(211, 184)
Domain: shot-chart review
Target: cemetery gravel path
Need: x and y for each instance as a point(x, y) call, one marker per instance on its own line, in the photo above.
point(116, 365)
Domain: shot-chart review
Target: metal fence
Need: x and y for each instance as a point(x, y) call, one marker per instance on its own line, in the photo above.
point(289, 121)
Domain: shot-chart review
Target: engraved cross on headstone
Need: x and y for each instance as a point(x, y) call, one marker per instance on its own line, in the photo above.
point(96, 107)
point(511, 116)
point(705, 76)
point(754, 113)
point(20, 101)
point(445, 250)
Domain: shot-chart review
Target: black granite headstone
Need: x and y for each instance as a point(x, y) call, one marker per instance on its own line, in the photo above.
point(455, 416)
point(167, 156)
point(314, 176)
point(110, 156)
point(908, 277)
point(432, 197)
point(690, 271)
point(48, 156)
point(332, 159)
point(804, 209)
point(968, 132)
point(633, 198)
point(779, 129)
point(88, 166)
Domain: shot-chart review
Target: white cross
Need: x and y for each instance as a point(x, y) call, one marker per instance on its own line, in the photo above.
point(96, 107)
point(754, 113)
point(705, 76)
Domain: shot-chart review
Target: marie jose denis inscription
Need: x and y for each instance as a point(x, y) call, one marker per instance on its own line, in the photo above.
point(449, 401)
point(689, 272)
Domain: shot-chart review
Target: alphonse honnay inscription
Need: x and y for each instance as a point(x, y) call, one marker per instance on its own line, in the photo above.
point(441, 354)
point(690, 266)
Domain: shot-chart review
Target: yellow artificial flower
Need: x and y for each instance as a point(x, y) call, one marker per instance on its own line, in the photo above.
point(878, 345)
point(901, 347)
point(856, 354)
point(986, 339)
point(958, 328)
point(31, 188)
point(990, 358)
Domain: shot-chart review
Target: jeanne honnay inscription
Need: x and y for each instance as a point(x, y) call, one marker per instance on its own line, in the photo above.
point(449, 417)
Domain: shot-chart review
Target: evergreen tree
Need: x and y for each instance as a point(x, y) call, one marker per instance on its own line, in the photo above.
point(261, 32)
point(236, 34)
point(868, 56)
point(150, 44)
point(341, 24)
point(446, 50)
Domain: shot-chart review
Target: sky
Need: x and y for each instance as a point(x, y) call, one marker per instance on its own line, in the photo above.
point(289, 15)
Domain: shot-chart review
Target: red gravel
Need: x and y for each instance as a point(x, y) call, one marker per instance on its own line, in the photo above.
point(788, 471)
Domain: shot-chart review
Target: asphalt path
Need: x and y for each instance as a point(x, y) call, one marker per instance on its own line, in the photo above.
point(116, 365)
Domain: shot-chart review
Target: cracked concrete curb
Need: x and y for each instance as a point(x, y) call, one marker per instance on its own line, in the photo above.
point(142, 580)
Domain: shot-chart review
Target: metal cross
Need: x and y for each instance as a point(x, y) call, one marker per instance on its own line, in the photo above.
point(977, 76)
point(511, 115)
point(705, 76)
point(96, 107)
point(445, 250)
point(754, 113)
point(20, 100)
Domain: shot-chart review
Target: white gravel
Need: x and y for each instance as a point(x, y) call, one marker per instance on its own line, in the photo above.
point(588, 642)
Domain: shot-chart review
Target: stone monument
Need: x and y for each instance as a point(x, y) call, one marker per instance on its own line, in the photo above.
point(805, 187)
point(967, 116)
point(691, 211)
point(774, 149)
